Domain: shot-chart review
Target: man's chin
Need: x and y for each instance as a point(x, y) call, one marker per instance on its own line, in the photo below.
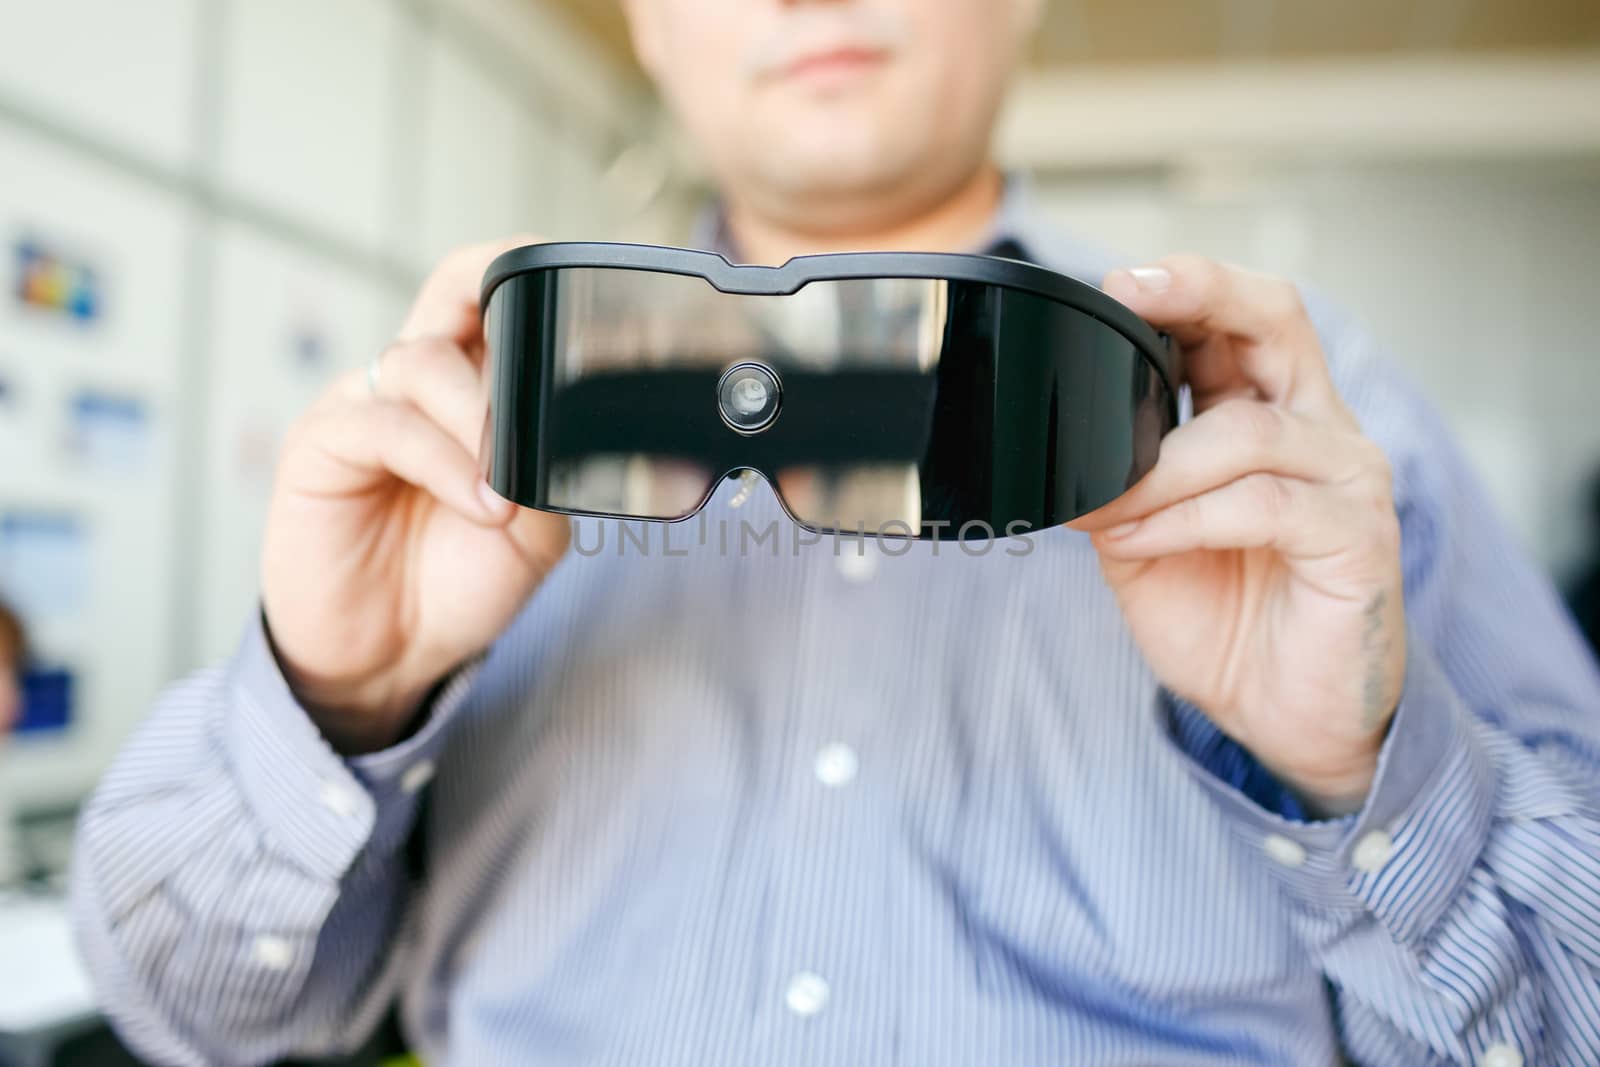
point(823, 185)
point(832, 164)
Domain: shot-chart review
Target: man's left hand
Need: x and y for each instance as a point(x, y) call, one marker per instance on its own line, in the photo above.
point(1258, 563)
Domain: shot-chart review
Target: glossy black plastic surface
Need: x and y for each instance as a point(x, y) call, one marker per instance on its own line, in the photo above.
point(940, 397)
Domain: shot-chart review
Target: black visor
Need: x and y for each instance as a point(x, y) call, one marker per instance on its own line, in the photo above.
point(912, 394)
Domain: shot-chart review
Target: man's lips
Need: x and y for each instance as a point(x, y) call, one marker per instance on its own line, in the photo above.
point(835, 63)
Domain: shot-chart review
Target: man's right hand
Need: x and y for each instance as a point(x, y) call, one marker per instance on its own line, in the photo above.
point(388, 561)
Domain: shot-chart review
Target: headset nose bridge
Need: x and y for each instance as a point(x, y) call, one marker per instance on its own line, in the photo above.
point(748, 480)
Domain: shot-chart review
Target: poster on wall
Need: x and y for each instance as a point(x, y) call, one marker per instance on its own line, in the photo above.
point(47, 699)
point(52, 281)
point(44, 578)
point(108, 432)
point(44, 565)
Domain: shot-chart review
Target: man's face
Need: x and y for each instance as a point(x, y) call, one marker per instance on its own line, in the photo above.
point(804, 102)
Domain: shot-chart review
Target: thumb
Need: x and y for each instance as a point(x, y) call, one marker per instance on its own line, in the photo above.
point(1119, 573)
point(541, 538)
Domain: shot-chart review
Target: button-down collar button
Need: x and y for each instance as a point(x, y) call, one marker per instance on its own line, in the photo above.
point(1372, 851)
point(417, 775)
point(337, 799)
point(273, 953)
point(1283, 850)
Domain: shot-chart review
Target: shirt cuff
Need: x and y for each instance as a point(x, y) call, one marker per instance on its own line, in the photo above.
point(317, 807)
point(1404, 856)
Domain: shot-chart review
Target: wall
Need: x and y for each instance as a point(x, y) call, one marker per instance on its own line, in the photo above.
point(260, 185)
point(1477, 276)
point(257, 187)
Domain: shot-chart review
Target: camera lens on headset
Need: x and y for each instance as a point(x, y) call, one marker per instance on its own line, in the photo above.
point(748, 396)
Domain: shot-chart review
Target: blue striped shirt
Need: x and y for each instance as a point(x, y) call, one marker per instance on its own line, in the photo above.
point(815, 802)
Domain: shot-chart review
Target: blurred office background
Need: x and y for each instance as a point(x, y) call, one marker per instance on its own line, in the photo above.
point(208, 207)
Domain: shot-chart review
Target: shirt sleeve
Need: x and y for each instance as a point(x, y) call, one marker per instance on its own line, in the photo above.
point(1456, 915)
point(240, 889)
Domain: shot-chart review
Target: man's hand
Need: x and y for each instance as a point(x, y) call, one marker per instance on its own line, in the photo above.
point(388, 561)
point(1258, 563)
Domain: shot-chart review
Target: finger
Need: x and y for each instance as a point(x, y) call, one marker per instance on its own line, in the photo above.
point(1231, 440)
point(541, 537)
point(1211, 371)
point(1276, 349)
point(447, 304)
point(439, 379)
point(377, 439)
point(1197, 296)
point(1301, 520)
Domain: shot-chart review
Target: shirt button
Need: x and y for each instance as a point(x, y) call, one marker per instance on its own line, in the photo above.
point(1283, 850)
point(836, 765)
point(1372, 851)
point(337, 799)
point(1500, 1056)
point(807, 994)
point(273, 953)
point(417, 776)
point(857, 563)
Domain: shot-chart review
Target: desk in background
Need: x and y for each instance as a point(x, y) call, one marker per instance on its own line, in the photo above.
point(47, 1010)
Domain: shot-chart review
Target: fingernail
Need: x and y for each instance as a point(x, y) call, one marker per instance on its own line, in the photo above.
point(1118, 532)
point(1152, 279)
point(493, 502)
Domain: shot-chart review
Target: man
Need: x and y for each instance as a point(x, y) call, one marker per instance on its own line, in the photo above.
point(13, 654)
point(13, 651)
point(1286, 755)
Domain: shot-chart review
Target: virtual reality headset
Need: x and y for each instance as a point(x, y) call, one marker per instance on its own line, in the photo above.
point(918, 395)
